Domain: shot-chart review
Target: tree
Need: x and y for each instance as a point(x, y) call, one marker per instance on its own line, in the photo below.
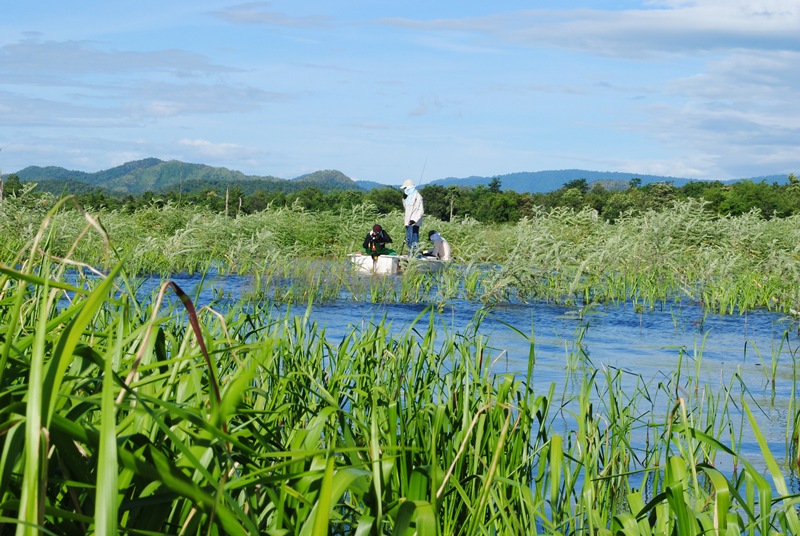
point(310, 198)
point(453, 195)
point(386, 199)
point(12, 185)
point(711, 191)
point(494, 185)
point(233, 198)
point(211, 199)
point(660, 194)
point(572, 197)
point(597, 198)
point(490, 207)
point(98, 199)
point(345, 198)
point(579, 184)
point(746, 195)
point(436, 201)
point(617, 204)
point(260, 200)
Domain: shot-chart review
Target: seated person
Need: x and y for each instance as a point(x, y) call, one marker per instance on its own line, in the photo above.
point(441, 248)
point(375, 242)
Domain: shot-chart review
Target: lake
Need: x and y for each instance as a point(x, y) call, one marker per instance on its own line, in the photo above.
point(646, 346)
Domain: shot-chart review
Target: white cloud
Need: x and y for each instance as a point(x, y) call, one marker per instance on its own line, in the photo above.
point(427, 105)
point(80, 83)
point(162, 99)
point(74, 59)
point(204, 147)
point(704, 88)
point(258, 13)
point(675, 28)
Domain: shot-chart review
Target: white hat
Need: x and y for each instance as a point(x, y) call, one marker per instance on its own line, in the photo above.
point(408, 184)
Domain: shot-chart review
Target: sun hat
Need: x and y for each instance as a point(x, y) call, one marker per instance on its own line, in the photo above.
point(408, 184)
point(431, 233)
point(376, 228)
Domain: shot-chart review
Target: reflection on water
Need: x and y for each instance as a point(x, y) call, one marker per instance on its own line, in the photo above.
point(647, 347)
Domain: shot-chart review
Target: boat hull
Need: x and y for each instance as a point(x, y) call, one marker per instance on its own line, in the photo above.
point(382, 264)
point(394, 264)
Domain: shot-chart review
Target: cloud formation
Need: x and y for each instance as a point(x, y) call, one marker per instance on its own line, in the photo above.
point(698, 88)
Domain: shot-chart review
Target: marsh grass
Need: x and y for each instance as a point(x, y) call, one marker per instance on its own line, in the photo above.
point(729, 264)
point(305, 436)
point(123, 415)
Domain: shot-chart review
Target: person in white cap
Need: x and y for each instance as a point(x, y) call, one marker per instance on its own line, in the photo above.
point(412, 202)
point(441, 248)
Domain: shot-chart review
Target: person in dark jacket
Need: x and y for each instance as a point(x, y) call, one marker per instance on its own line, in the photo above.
point(375, 242)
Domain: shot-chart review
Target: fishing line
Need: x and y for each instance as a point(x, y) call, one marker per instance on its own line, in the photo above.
point(423, 171)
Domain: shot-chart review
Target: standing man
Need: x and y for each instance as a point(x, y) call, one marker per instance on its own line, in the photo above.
point(412, 202)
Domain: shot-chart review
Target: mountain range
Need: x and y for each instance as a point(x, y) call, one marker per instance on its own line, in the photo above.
point(158, 176)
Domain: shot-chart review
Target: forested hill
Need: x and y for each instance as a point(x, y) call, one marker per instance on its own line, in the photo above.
point(548, 181)
point(158, 176)
point(154, 175)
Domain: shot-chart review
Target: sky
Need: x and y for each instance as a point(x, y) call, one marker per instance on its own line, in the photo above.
point(387, 90)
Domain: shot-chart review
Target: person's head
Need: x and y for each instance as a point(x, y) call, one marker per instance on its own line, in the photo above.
point(407, 184)
point(430, 234)
point(376, 228)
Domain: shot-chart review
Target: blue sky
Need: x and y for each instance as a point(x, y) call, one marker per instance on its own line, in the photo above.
point(386, 91)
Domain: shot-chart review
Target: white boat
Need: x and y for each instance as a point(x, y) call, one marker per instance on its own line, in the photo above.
point(394, 264)
point(422, 264)
point(382, 264)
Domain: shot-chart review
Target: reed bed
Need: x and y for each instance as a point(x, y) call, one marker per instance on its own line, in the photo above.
point(729, 264)
point(149, 416)
point(283, 431)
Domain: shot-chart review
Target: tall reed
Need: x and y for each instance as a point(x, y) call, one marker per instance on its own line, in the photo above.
point(123, 414)
point(730, 264)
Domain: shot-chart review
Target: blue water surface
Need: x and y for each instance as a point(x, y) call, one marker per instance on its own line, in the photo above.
point(646, 347)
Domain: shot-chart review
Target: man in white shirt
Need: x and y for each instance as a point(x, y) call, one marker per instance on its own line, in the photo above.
point(412, 202)
point(441, 248)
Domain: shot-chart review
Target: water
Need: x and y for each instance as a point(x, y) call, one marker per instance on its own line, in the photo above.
point(647, 346)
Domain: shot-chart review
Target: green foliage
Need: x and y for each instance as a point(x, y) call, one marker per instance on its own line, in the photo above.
point(11, 185)
point(730, 264)
point(233, 193)
point(109, 422)
point(385, 200)
point(578, 184)
point(146, 416)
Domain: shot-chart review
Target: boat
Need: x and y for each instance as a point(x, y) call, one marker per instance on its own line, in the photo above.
point(381, 264)
point(394, 264)
point(422, 264)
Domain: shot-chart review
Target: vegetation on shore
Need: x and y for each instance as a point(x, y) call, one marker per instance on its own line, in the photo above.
point(331, 191)
point(729, 264)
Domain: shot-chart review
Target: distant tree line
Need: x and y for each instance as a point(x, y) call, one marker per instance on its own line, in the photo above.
point(484, 203)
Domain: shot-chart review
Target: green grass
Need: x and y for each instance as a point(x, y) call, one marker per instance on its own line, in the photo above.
point(111, 422)
point(729, 264)
point(145, 416)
